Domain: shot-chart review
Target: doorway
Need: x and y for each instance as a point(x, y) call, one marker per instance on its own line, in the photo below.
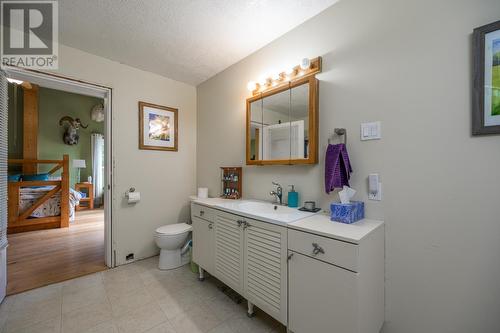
point(86, 221)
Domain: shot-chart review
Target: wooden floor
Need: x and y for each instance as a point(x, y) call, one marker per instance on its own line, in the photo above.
point(38, 258)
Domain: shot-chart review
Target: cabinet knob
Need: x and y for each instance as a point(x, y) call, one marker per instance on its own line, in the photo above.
point(202, 212)
point(317, 249)
point(211, 226)
point(246, 224)
point(290, 256)
point(240, 222)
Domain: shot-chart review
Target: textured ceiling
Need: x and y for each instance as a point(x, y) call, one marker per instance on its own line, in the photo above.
point(186, 40)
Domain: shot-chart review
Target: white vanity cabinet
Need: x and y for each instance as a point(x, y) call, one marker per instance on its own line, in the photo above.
point(229, 250)
point(250, 257)
point(322, 296)
point(312, 275)
point(202, 219)
point(247, 255)
point(204, 238)
point(335, 285)
point(266, 267)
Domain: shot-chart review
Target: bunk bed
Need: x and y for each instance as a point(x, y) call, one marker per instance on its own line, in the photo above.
point(41, 204)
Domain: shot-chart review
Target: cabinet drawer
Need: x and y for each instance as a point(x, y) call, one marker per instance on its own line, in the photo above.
point(202, 212)
point(336, 252)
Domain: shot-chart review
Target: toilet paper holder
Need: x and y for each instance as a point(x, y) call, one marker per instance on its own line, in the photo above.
point(132, 196)
point(130, 190)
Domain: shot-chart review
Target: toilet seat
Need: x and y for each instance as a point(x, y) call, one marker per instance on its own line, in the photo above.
point(173, 229)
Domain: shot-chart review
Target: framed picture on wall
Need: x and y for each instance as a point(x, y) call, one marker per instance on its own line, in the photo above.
point(486, 71)
point(158, 127)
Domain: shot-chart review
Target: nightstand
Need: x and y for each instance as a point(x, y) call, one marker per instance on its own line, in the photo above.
point(88, 201)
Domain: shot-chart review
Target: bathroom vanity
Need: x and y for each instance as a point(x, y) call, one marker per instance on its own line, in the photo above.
point(309, 273)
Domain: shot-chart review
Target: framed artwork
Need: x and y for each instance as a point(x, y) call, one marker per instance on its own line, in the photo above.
point(486, 71)
point(158, 129)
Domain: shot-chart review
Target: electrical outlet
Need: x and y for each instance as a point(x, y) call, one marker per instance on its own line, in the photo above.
point(376, 196)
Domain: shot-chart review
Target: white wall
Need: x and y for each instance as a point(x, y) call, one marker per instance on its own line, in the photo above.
point(165, 179)
point(407, 64)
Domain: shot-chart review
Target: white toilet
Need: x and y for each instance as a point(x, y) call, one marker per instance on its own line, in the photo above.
point(171, 239)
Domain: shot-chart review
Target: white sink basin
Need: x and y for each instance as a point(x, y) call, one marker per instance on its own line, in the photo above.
point(266, 211)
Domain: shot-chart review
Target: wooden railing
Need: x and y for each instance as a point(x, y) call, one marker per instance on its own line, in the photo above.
point(20, 221)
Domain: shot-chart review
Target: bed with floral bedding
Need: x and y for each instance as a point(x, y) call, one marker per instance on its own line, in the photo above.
point(52, 207)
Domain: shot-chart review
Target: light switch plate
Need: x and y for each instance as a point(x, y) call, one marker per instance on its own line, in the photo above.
point(371, 131)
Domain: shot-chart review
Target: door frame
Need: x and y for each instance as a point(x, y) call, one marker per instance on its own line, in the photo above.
point(62, 83)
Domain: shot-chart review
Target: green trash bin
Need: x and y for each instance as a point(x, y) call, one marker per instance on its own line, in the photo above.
point(194, 266)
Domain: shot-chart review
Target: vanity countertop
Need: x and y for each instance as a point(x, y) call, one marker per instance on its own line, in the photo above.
point(210, 202)
point(256, 209)
point(320, 224)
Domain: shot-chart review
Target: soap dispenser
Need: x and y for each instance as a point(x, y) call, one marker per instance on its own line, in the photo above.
point(293, 197)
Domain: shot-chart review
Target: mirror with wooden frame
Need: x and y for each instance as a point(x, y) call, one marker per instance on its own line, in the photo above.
point(282, 124)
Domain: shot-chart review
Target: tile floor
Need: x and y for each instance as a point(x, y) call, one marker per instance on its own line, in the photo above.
point(132, 298)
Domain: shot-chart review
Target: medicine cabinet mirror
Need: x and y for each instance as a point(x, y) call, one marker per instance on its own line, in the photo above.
point(282, 124)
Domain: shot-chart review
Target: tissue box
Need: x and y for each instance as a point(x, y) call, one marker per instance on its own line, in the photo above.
point(347, 213)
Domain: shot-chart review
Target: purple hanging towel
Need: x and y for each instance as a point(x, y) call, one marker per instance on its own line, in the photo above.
point(337, 167)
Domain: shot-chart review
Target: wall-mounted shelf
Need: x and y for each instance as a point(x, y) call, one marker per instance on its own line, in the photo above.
point(231, 180)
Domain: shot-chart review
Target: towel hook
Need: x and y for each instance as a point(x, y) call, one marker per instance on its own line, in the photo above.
point(339, 132)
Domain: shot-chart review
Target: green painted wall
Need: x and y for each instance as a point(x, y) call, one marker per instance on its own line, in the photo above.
point(52, 106)
point(15, 135)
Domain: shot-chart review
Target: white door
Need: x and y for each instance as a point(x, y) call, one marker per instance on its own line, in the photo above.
point(3, 184)
point(265, 267)
point(283, 141)
point(203, 244)
point(322, 297)
point(229, 250)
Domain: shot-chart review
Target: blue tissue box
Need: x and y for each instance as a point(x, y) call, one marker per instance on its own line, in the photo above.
point(347, 213)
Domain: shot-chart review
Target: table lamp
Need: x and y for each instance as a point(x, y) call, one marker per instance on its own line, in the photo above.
point(79, 164)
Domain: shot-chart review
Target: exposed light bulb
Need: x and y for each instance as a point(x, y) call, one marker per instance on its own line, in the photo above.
point(251, 85)
point(305, 64)
point(14, 81)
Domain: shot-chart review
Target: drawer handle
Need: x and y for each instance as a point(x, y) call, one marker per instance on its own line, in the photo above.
point(211, 226)
point(202, 212)
point(317, 249)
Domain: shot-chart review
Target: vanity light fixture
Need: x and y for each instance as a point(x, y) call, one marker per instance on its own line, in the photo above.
point(305, 64)
point(251, 86)
point(305, 68)
point(262, 81)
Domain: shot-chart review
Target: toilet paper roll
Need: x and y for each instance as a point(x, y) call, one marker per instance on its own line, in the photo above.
point(133, 197)
point(202, 192)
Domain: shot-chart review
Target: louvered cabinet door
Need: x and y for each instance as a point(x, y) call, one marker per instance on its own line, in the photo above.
point(266, 267)
point(229, 250)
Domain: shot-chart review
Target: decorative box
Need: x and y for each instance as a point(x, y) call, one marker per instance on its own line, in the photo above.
point(347, 213)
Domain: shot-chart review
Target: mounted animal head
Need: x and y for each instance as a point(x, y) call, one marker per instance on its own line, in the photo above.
point(70, 136)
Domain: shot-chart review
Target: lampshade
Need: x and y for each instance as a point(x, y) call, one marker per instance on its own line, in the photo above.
point(79, 164)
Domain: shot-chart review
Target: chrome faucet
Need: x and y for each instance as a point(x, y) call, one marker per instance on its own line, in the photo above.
point(278, 194)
